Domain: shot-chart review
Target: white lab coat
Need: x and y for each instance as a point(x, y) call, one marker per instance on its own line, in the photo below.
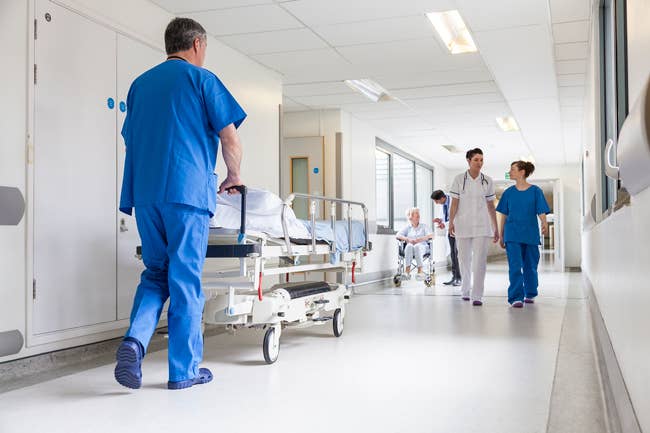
point(472, 218)
point(473, 229)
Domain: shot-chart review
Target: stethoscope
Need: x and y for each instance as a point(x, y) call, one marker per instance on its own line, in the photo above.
point(483, 181)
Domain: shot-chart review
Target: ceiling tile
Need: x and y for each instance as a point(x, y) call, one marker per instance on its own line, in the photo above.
point(571, 67)
point(539, 120)
point(420, 55)
point(571, 79)
point(384, 30)
point(577, 31)
point(327, 88)
point(309, 66)
point(572, 91)
point(453, 101)
point(446, 90)
point(274, 42)
point(250, 19)
point(406, 79)
point(185, 6)
point(574, 10)
point(572, 51)
point(519, 57)
point(330, 100)
point(316, 13)
point(572, 101)
point(499, 14)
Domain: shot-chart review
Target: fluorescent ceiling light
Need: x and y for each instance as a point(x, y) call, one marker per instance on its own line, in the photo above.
point(507, 124)
point(453, 31)
point(369, 89)
point(452, 149)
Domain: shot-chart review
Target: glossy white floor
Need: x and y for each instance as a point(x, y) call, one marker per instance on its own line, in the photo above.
point(410, 360)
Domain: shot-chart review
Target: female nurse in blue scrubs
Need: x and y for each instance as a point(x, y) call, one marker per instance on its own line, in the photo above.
point(522, 204)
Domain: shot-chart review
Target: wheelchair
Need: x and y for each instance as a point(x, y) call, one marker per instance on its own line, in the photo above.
point(428, 263)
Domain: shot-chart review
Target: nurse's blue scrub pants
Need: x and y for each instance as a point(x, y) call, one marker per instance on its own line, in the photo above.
point(522, 261)
point(174, 242)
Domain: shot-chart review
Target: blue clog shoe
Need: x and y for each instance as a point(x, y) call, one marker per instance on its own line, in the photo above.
point(204, 376)
point(128, 370)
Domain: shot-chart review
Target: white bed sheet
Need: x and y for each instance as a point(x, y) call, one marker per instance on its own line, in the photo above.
point(263, 214)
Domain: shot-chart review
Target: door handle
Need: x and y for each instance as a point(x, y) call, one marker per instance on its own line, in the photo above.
point(611, 170)
point(123, 227)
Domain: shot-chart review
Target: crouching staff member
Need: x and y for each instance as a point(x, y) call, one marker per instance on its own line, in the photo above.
point(473, 223)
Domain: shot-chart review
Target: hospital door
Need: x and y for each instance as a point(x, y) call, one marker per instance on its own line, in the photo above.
point(84, 269)
point(303, 171)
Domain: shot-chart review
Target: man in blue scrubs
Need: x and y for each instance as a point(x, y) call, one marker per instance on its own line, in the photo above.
point(177, 113)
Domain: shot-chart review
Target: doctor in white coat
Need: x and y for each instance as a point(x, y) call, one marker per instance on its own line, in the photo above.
point(473, 222)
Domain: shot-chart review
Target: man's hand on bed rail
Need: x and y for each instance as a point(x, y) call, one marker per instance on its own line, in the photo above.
point(229, 185)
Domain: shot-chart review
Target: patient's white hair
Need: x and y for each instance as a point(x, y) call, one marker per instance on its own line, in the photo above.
point(410, 211)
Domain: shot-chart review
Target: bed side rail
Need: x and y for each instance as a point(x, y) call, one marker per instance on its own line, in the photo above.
point(313, 199)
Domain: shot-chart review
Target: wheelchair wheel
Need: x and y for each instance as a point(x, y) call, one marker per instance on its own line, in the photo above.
point(428, 282)
point(397, 280)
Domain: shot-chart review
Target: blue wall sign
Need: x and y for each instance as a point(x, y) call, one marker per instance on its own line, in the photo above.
point(122, 106)
point(316, 170)
point(111, 103)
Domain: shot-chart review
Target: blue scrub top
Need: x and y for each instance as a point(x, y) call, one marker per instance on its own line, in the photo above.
point(521, 209)
point(174, 114)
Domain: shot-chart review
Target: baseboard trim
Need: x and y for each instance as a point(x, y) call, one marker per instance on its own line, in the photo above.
point(621, 417)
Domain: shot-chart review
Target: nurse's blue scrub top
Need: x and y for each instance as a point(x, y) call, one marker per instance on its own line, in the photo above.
point(174, 114)
point(521, 209)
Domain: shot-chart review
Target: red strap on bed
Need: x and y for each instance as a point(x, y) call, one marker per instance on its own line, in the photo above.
point(259, 288)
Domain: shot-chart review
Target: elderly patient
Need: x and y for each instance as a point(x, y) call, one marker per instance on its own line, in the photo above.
point(416, 236)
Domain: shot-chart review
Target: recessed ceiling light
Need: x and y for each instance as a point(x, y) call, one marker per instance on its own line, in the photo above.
point(507, 124)
point(453, 31)
point(369, 89)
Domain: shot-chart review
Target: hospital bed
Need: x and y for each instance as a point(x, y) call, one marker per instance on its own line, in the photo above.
point(236, 298)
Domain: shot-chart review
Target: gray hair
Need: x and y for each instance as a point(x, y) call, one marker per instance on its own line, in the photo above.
point(410, 211)
point(180, 34)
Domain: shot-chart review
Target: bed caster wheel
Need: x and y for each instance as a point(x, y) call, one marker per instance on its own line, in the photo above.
point(397, 281)
point(271, 346)
point(337, 323)
point(428, 282)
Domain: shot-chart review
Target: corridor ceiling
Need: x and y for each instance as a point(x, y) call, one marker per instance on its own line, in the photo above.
point(531, 64)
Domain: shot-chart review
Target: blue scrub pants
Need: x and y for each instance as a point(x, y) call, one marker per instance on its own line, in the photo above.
point(522, 261)
point(174, 242)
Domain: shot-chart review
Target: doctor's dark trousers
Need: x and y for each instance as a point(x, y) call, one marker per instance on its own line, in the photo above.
point(174, 242)
point(522, 261)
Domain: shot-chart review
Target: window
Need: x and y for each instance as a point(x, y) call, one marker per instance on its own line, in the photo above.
point(613, 86)
point(403, 189)
point(402, 181)
point(382, 180)
point(424, 188)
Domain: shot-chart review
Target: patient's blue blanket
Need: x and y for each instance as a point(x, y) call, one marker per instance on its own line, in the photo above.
point(324, 232)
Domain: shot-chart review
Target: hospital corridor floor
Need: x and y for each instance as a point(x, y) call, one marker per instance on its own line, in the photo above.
point(410, 360)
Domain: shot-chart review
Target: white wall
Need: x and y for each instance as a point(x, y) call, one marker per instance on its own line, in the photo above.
point(616, 253)
point(258, 90)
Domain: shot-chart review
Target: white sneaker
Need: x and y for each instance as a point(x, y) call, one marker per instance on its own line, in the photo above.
point(406, 277)
point(420, 276)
